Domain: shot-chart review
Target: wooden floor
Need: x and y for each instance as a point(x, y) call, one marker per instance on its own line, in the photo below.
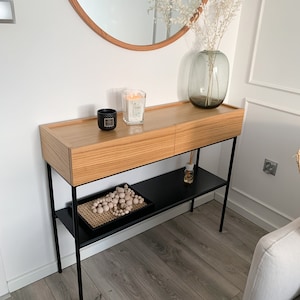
point(184, 258)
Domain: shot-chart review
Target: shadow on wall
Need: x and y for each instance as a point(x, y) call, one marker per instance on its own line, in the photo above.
point(114, 97)
point(86, 111)
point(114, 101)
point(183, 75)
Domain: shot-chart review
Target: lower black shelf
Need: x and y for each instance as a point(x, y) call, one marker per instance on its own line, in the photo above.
point(165, 191)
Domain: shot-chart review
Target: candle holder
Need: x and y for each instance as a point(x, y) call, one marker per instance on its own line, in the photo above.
point(107, 118)
point(133, 102)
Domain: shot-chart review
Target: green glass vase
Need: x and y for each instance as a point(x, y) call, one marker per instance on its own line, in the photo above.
point(208, 79)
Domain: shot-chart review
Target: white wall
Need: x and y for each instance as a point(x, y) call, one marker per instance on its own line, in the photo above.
point(53, 68)
point(3, 283)
point(272, 120)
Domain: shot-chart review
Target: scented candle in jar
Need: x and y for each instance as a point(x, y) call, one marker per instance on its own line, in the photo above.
point(133, 102)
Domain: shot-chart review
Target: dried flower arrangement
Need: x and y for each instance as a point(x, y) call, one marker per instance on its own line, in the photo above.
point(216, 16)
point(298, 159)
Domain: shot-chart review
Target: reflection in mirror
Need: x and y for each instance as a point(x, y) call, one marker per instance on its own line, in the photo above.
point(129, 24)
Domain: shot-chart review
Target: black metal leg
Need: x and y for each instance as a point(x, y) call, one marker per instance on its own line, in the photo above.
point(197, 158)
point(228, 183)
point(192, 205)
point(50, 183)
point(195, 170)
point(77, 243)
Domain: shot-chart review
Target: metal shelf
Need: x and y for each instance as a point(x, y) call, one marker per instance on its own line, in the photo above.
point(165, 191)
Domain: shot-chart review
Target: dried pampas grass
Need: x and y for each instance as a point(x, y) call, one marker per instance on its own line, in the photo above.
point(298, 159)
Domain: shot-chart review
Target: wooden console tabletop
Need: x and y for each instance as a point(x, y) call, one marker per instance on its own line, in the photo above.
point(80, 152)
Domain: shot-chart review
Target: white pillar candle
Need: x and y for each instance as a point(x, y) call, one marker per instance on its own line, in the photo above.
point(133, 106)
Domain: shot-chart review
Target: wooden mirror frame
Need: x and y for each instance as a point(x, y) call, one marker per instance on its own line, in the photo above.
point(119, 43)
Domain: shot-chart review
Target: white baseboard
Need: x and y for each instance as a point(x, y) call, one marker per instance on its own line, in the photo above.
point(4, 297)
point(269, 220)
point(105, 243)
point(262, 216)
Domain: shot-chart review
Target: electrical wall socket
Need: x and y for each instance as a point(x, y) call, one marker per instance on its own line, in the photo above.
point(270, 167)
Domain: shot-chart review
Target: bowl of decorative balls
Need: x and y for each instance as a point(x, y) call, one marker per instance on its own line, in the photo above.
point(112, 208)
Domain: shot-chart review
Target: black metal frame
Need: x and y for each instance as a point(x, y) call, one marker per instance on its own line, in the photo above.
point(76, 222)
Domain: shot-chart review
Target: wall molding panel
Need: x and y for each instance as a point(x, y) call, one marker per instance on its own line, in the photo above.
point(272, 200)
point(275, 61)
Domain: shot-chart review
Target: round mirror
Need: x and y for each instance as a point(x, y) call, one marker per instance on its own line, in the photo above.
point(128, 23)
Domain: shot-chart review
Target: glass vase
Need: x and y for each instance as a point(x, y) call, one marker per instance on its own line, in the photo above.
point(208, 79)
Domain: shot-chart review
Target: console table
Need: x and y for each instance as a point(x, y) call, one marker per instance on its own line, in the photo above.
point(81, 153)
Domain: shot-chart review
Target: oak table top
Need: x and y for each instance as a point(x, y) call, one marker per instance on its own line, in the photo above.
point(80, 152)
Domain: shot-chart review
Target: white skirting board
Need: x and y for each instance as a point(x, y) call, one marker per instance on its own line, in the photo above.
point(4, 297)
point(254, 211)
point(3, 283)
point(105, 243)
point(267, 219)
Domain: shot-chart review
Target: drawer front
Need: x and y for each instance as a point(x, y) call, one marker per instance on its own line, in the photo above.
point(203, 132)
point(105, 159)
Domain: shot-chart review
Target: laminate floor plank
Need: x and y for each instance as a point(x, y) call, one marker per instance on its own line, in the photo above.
point(64, 285)
point(161, 247)
point(211, 250)
point(239, 234)
point(115, 274)
point(36, 290)
point(132, 275)
point(185, 258)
